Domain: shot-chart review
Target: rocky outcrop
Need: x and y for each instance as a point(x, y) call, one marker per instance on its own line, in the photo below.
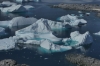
point(82, 60)
point(10, 62)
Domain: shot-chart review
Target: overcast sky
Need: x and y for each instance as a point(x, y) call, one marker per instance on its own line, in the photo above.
point(71, 1)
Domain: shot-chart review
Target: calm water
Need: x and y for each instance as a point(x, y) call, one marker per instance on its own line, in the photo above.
point(35, 58)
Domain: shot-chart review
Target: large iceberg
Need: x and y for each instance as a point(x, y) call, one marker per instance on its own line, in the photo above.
point(7, 44)
point(72, 20)
point(78, 39)
point(17, 23)
point(43, 26)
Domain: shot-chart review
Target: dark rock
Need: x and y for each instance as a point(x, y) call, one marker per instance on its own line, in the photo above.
point(10, 62)
point(82, 60)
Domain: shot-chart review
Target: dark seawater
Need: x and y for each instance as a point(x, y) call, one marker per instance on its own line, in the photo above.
point(35, 58)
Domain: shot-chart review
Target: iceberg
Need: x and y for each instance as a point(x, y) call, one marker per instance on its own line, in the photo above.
point(72, 20)
point(14, 8)
point(28, 7)
point(7, 3)
point(7, 44)
point(97, 33)
point(17, 23)
point(46, 44)
point(78, 39)
point(21, 1)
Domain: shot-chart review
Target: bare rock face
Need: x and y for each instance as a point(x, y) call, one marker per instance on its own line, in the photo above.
point(10, 62)
point(82, 60)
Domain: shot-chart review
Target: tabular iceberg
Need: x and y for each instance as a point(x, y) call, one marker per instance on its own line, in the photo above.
point(78, 39)
point(72, 20)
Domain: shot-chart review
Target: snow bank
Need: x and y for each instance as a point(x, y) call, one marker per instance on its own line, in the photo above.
point(77, 39)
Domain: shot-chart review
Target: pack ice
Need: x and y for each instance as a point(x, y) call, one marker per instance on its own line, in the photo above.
point(78, 39)
point(72, 20)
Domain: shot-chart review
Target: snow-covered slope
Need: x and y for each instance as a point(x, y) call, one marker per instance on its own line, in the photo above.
point(77, 39)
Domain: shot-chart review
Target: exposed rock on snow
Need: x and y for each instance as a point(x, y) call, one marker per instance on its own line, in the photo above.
point(72, 20)
point(77, 39)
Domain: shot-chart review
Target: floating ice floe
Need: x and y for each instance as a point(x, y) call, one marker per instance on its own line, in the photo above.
point(7, 3)
point(72, 20)
point(21, 1)
point(28, 7)
point(14, 8)
point(18, 23)
point(98, 33)
point(78, 39)
point(46, 44)
point(7, 44)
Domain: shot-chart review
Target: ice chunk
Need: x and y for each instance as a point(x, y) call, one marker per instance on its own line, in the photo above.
point(7, 3)
point(28, 7)
point(6, 44)
point(79, 11)
point(14, 8)
point(98, 33)
point(79, 39)
point(21, 22)
point(54, 48)
point(72, 20)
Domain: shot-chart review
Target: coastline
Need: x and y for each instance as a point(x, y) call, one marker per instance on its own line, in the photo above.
point(82, 7)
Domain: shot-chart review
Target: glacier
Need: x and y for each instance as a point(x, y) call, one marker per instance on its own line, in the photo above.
point(78, 39)
point(72, 20)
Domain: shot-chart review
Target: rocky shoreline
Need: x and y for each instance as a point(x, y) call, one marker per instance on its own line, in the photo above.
point(10, 62)
point(82, 60)
point(83, 7)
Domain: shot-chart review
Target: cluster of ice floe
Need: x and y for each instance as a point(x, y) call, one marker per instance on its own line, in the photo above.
point(40, 32)
point(72, 20)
